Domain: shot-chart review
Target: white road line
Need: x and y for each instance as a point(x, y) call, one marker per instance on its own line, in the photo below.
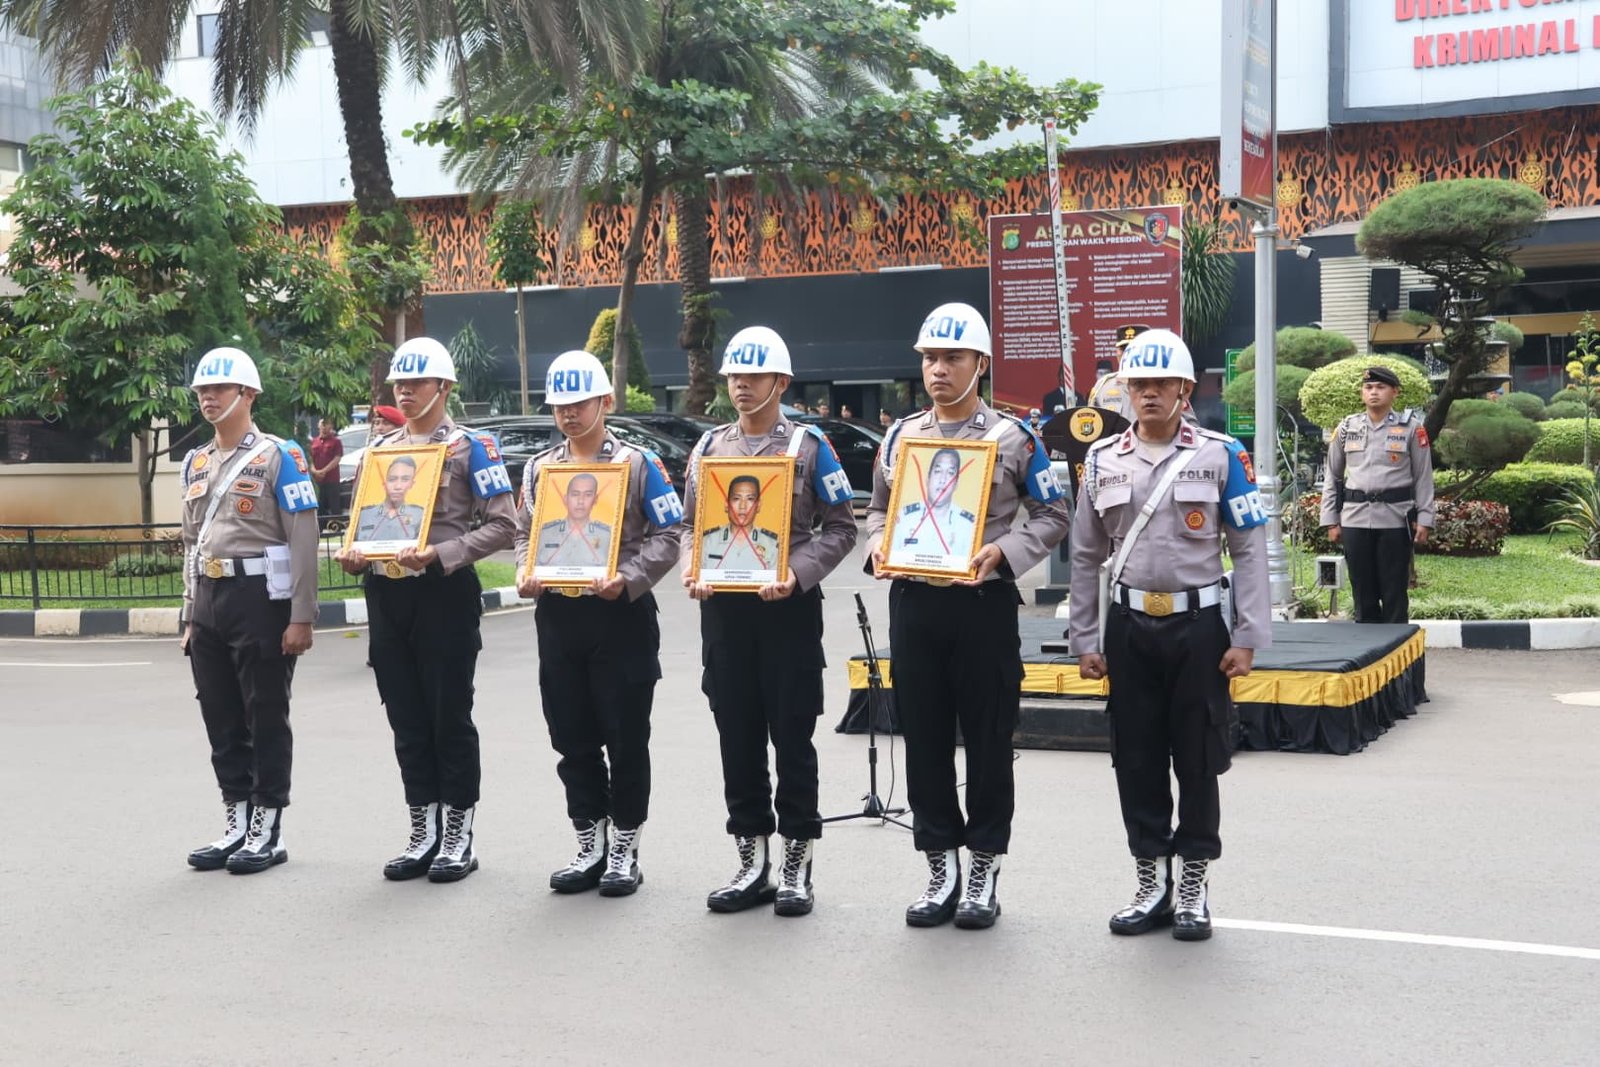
point(114, 663)
point(1355, 934)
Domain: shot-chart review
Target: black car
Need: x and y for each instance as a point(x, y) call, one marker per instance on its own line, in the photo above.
point(524, 436)
point(684, 429)
point(857, 445)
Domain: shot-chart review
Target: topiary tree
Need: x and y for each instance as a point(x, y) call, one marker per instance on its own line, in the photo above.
point(1303, 346)
point(1241, 392)
point(1528, 405)
point(1462, 234)
point(1564, 441)
point(602, 341)
point(1485, 441)
point(1560, 407)
point(1332, 392)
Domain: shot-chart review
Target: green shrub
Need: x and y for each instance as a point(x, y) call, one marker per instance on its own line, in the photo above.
point(1460, 409)
point(602, 336)
point(1450, 608)
point(640, 400)
point(1487, 439)
point(1530, 491)
point(145, 565)
point(1578, 510)
point(1241, 392)
point(1303, 346)
point(1467, 528)
point(1302, 524)
point(1561, 441)
point(1334, 391)
point(1578, 607)
point(1564, 409)
point(1528, 405)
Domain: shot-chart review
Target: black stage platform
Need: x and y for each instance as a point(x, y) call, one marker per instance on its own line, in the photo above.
point(1321, 687)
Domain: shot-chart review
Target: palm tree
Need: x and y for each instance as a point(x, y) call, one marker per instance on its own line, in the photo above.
point(258, 42)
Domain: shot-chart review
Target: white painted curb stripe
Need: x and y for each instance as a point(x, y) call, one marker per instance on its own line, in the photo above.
point(1442, 633)
point(1563, 633)
point(1352, 933)
point(355, 611)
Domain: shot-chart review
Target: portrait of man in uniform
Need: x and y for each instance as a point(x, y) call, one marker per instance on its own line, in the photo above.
point(748, 547)
point(394, 498)
point(577, 508)
point(940, 493)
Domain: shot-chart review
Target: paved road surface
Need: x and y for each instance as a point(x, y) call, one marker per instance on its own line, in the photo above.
point(1477, 818)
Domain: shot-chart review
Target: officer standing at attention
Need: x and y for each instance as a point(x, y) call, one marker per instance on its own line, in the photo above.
point(957, 653)
point(1379, 481)
point(763, 651)
point(599, 647)
point(1167, 647)
point(422, 610)
point(249, 599)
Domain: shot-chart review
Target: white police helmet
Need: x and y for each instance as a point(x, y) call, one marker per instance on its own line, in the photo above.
point(952, 326)
point(574, 377)
point(756, 350)
point(421, 357)
point(226, 366)
point(1157, 354)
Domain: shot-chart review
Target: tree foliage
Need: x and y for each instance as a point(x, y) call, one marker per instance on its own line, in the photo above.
point(1487, 440)
point(602, 342)
point(1240, 394)
point(1207, 277)
point(1583, 376)
point(139, 245)
point(1303, 346)
point(1462, 233)
point(1332, 392)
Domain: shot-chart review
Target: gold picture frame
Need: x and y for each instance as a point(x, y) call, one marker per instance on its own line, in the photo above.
point(751, 540)
point(563, 555)
point(935, 532)
point(384, 516)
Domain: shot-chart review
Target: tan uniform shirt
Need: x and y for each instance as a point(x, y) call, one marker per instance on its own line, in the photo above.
point(252, 513)
point(460, 500)
point(1214, 499)
point(649, 519)
point(820, 534)
point(1023, 481)
point(1392, 454)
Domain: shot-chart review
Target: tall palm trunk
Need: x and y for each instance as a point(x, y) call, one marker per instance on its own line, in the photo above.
point(356, 78)
point(699, 328)
point(632, 257)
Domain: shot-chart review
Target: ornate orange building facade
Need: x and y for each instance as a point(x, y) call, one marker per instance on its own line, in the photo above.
point(1324, 177)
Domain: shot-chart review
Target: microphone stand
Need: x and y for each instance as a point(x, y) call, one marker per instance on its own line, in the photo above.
point(873, 807)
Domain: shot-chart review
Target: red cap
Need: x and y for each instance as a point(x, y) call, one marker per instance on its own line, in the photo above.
point(394, 415)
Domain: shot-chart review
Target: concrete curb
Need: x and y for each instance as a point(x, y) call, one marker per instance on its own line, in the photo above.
point(163, 622)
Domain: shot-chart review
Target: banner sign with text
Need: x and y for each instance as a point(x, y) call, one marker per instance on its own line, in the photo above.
point(1122, 267)
point(1246, 171)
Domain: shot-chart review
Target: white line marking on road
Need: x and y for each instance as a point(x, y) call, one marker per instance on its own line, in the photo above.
point(1591, 700)
point(1355, 934)
point(117, 663)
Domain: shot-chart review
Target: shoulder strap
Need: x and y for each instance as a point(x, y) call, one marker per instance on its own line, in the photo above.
point(999, 427)
point(1149, 509)
point(798, 438)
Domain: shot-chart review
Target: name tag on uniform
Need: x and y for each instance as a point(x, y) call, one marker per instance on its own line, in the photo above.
point(1397, 441)
point(1355, 444)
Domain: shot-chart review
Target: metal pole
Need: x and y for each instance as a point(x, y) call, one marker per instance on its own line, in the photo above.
point(1059, 254)
point(1266, 457)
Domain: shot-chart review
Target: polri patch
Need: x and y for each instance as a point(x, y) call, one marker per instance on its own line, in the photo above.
point(1195, 519)
point(246, 505)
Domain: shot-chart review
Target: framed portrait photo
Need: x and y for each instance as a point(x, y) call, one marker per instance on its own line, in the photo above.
point(394, 496)
point(937, 503)
point(741, 521)
point(577, 523)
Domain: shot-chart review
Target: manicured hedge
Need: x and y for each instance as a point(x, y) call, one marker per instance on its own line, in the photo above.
point(1561, 441)
point(1530, 491)
point(1461, 527)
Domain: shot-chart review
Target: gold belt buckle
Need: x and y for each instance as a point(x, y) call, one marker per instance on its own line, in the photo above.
point(1158, 604)
point(392, 569)
point(941, 582)
point(214, 568)
point(570, 590)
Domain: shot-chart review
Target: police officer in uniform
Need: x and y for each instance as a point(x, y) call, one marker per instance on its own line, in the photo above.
point(599, 647)
point(577, 540)
point(1378, 483)
point(957, 654)
point(249, 599)
point(1167, 647)
point(740, 545)
point(423, 608)
point(763, 651)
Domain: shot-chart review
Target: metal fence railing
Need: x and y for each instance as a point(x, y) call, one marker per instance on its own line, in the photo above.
point(44, 566)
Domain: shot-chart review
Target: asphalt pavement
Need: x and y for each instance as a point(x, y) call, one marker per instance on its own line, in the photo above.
point(1475, 819)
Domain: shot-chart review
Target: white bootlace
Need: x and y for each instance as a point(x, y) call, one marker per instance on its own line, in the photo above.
point(419, 831)
point(747, 860)
point(1192, 886)
point(938, 878)
point(794, 865)
point(978, 875)
point(588, 837)
point(619, 860)
point(1150, 887)
point(256, 838)
point(453, 843)
point(232, 829)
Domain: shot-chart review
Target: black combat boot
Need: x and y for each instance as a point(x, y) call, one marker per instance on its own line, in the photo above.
point(456, 857)
point(937, 905)
point(622, 877)
point(1152, 901)
point(263, 845)
point(214, 856)
point(1192, 922)
point(422, 847)
point(750, 886)
point(980, 904)
point(794, 882)
point(583, 873)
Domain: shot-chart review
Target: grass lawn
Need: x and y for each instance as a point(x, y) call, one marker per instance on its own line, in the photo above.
point(1536, 576)
point(94, 588)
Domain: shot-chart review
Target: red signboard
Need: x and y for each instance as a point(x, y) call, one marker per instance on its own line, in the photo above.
point(1249, 102)
point(1122, 268)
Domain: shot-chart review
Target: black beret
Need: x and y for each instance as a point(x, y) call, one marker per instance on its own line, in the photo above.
point(1381, 375)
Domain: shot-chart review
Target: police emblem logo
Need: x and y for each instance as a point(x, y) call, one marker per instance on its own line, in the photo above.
point(1422, 437)
point(1155, 228)
point(1011, 238)
point(1087, 425)
point(246, 505)
point(1195, 519)
point(299, 459)
point(489, 449)
point(1249, 467)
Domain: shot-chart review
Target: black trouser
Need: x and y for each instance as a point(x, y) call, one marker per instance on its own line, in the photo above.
point(763, 675)
point(242, 680)
point(598, 666)
point(1380, 571)
point(424, 650)
point(957, 659)
point(330, 499)
point(1169, 704)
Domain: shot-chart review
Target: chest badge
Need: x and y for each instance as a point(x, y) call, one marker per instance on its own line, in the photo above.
point(246, 505)
point(1195, 519)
